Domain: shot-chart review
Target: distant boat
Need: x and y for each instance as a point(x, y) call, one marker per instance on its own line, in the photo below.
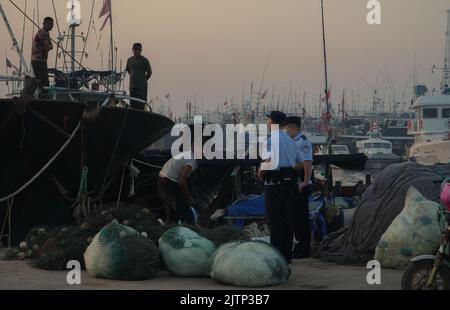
point(378, 151)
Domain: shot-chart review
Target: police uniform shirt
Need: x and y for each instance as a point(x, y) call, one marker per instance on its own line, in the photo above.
point(305, 148)
point(284, 154)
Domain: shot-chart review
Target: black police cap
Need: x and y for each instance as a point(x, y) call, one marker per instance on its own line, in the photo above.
point(277, 117)
point(293, 120)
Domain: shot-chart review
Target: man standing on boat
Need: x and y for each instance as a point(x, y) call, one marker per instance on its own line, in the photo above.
point(140, 71)
point(302, 227)
point(280, 180)
point(42, 45)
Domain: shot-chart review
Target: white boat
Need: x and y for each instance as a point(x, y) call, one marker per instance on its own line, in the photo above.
point(431, 127)
point(431, 124)
point(378, 151)
point(336, 149)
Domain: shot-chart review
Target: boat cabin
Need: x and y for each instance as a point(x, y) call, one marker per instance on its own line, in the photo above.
point(430, 119)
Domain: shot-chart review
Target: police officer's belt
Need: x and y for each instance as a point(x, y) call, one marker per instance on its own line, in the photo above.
point(286, 176)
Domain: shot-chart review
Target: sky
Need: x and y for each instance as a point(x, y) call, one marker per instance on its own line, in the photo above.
point(210, 51)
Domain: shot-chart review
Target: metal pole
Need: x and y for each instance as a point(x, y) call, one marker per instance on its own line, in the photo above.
point(73, 43)
point(13, 38)
point(327, 166)
point(112, 40)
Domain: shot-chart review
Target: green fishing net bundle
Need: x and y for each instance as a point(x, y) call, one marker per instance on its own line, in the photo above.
point(249, 264)
point(119, 252)
point(52, 248)
point(186, 253)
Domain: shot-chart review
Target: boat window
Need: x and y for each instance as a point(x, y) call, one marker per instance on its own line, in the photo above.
point(377, 146)
point(430, 113)
point(339, 148)
point(445, 113)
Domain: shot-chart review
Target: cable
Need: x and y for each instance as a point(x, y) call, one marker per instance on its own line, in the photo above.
point(43, 168)
point(116, 145)
point(57, 44)
point(87, 34)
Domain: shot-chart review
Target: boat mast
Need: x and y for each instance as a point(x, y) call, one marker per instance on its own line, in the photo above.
point(74, 22)
point(446, 69)
point(13, 38)
point(112, 39)
point(328, 175)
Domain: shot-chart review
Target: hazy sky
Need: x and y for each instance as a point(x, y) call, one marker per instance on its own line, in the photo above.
point(206, 50)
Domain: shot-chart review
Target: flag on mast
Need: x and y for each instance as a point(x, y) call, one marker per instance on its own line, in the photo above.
point(8, 63)
point(106, 11)
point(168, 96)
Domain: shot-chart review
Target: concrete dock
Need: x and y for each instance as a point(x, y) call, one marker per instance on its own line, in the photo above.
point(309, 274)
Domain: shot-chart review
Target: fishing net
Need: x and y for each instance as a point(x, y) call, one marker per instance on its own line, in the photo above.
point(186, 253)
point(380, 205)
point(249, 264)
point(53, 248)
point(415, 231)
point(119, 252)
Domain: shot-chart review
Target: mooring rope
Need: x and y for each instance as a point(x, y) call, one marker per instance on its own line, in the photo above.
point(146, 164)
point(43, 169)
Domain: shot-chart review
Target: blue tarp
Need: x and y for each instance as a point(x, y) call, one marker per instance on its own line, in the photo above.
point(254, 205)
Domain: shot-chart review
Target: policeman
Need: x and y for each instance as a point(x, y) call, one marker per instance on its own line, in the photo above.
point(280, 180)
point(302, 227)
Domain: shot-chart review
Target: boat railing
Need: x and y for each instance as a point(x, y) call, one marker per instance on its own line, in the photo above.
point(109, 96)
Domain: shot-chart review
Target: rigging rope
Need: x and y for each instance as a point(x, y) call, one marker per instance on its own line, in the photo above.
point(43, 169)
point(116, 145)
point(146, 164)
point(87, 34)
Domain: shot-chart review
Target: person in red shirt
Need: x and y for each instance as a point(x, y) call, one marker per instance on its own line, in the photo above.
point(42, 45)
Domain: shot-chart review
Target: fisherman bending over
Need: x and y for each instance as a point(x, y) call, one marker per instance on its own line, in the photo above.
point(42, 45)
point(173, 189)
point(140, 71)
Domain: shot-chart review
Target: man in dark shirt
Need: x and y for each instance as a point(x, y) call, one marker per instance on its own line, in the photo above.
point(140, 72)
point(42, 44)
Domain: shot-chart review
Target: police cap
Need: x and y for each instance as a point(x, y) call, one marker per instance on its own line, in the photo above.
point(293, 120)
point(277, 117)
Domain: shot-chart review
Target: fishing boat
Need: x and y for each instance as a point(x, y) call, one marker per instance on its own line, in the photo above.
point(62, 154)
point(431, 128)
point(378, 151)
point(430, 121)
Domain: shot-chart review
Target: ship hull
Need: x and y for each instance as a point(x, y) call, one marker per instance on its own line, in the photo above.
point(109, 137)
point(431, 153)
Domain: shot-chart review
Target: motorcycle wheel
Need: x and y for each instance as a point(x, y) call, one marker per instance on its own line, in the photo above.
point(417, 274)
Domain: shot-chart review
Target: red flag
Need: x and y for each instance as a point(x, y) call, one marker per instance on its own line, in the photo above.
point(106, 9)
point(264, 95)
point(328, 96)
point(8, 63)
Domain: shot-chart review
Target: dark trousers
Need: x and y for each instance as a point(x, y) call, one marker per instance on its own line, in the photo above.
point(174, 202)
point(302, 225)
point(139, 93)
point(40, 70)
point(279, 208)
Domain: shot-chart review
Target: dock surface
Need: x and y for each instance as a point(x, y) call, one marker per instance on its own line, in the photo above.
point(309, 274)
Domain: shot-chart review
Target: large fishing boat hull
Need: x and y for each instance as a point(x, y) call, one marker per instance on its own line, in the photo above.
point(431, 153)
point(107, 138)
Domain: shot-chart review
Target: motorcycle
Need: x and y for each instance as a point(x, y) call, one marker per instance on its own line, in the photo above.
point(432, 272)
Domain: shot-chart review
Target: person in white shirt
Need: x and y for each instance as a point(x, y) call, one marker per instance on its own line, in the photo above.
point(173, 188)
